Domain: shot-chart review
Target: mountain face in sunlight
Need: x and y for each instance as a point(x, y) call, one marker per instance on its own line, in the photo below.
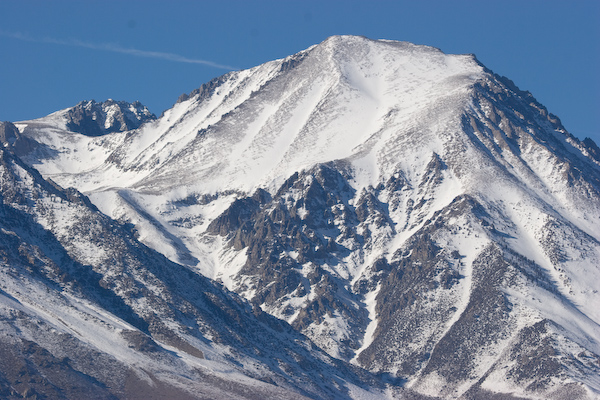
point(363, 218)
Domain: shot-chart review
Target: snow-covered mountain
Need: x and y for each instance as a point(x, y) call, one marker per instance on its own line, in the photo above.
point(409, 211)
point(86, 311)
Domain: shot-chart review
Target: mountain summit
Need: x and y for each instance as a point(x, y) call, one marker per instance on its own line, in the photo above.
point(409, 211)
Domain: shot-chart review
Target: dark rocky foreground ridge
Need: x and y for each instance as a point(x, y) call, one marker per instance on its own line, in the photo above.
point(427, 224)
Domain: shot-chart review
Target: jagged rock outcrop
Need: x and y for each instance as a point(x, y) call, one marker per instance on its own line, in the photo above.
point(96, 119)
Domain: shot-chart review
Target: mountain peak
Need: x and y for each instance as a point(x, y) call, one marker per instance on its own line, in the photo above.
point(91, 118)
point(334, 100)
point(96, 119)
point(352, 43)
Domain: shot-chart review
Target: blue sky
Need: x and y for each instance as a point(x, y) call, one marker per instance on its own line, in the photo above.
point(57, 53)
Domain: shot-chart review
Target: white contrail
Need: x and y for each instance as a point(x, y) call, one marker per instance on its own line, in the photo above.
point(115, 48)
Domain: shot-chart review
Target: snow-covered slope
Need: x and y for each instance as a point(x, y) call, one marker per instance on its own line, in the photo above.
point(248, 129)
point(408, 210)
point(86, 311)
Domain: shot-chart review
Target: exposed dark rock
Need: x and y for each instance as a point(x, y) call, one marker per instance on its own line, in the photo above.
point(205, 90)
point(240, 211)
point(592, 148)
point(271, 229)
point(12, 140)
point(96, 119)
point(292, 62)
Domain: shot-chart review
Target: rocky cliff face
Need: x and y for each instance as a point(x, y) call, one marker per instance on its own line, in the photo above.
point(409, 211)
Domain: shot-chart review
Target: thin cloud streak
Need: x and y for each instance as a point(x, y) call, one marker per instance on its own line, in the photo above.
point(114, 48)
